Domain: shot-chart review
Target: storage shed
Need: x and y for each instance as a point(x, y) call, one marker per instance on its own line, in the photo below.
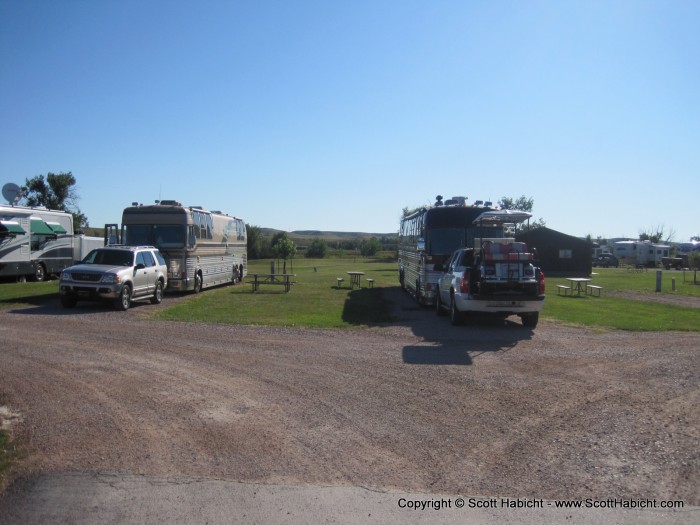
point(559, 254)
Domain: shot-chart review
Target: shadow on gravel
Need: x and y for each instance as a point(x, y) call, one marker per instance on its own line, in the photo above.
point(447, 344)
point(51, 305)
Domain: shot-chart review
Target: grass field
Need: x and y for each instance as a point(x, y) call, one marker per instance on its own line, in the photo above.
point(611, 309)
point(316, 301)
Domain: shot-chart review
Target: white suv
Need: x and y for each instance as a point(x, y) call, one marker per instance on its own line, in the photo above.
point(117, 273)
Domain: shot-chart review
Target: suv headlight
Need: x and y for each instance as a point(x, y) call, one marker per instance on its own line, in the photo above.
point(65, 276)
point(110, 278)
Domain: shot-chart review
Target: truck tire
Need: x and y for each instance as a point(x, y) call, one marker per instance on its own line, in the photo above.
point(456, 317)
point(530, 320)
point(438, 303)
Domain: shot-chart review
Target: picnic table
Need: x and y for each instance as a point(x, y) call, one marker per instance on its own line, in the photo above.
point(578, 284)
point(355, 278)
point(282, 279)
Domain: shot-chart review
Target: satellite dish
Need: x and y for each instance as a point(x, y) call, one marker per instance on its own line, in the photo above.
point(12, 193)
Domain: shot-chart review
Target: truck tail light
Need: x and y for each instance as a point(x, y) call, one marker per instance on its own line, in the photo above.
point(540, 282)
point(464, 286)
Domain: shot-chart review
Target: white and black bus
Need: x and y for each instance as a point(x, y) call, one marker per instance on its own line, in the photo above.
point(429, 236)
point(202, 248)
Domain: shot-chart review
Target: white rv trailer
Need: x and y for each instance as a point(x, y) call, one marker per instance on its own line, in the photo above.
point(37, 242)
point(34, 242)
point(641, 253)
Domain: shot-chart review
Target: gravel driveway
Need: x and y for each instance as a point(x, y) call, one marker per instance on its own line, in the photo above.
point(419, 405)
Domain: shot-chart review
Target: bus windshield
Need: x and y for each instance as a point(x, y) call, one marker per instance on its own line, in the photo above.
point(159, 235)
point(442, 241)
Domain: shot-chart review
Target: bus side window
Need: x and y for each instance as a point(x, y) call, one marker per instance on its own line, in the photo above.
point(210, 226)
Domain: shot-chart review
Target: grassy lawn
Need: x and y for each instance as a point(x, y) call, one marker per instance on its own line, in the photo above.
point(639, 314)
point(14, 294)
point(316, 301)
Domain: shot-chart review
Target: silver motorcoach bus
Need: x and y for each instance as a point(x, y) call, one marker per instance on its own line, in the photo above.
point(428, 238)
point(202, 248)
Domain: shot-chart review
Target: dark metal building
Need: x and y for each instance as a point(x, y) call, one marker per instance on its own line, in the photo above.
point(559, 254)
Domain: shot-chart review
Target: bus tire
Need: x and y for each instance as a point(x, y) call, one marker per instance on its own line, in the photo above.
point(39, 272)
point(158, 293)
point(197, 282)
point(123, 302)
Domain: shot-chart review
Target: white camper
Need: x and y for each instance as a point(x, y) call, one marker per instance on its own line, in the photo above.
point(37, 242)
point(641, 253)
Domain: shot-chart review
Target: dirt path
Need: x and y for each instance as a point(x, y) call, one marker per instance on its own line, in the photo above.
point(554, 413)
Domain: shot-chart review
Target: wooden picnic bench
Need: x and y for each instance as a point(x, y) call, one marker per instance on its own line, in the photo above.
point(281, 279)
point(591, 289)
point(563, 288)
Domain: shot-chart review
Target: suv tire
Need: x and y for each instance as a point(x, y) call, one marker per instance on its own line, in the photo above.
point(158, 293)
point(69, 301)
point(124, 300)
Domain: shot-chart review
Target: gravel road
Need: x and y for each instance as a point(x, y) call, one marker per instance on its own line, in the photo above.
point(419, 406)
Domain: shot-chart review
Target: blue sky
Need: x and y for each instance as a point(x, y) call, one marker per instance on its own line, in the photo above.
point(335, 115)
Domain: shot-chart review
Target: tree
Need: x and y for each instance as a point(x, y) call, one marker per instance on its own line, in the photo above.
point(317, 249)
point(283, 248)
point(370, 247)
point(56, 192)
point(655, 235)
point(522, 203)
point(258, 245)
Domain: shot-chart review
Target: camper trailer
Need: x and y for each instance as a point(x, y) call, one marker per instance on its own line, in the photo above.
point(641, 253)
point(37, 242)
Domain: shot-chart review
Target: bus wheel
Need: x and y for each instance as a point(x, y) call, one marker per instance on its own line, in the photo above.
point(197, 283)
point(39, 272)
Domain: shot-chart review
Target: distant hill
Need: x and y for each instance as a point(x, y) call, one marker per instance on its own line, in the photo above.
point(299, 236)
point(328, 236)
